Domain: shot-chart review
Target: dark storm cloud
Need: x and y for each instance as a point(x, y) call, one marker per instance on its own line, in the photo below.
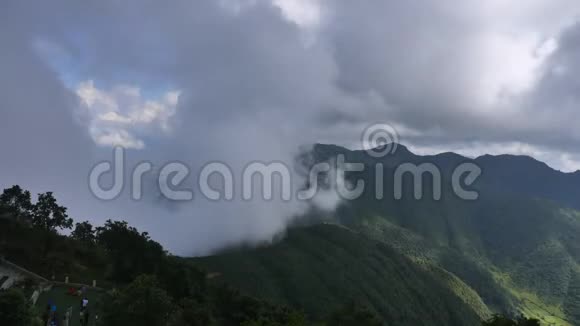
point(247, 80)
point(255, 84)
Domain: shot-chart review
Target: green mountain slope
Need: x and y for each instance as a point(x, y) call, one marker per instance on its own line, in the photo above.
point(514, 250)
point(322, 267)
point(517, 246)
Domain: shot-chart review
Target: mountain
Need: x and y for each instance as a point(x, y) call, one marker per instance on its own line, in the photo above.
point(526, 176)
point(516, 249)
point(320, 268)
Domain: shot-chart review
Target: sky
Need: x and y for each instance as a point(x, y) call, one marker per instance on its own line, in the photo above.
point(238, 81)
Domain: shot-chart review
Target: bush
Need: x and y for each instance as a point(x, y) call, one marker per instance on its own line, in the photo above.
point(15, 309)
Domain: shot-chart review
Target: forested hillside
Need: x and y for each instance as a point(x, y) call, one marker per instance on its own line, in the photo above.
point(323, 275)
point(322, 268)
point(517, 245)
point(514, 250)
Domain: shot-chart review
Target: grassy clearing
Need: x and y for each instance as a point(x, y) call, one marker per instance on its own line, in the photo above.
point(533, 306)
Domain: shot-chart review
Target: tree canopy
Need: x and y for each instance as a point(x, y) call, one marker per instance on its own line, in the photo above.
point(49, 215)
point(17, 202)
point(84, 232)
point(14, 308)
point(46, 213)
point(499, 320)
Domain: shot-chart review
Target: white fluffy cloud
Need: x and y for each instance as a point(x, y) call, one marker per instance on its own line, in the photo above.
point(115, 116)
point(307, 13)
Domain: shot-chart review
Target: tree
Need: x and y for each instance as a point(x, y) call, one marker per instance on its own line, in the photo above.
point(142, 302)
point(353, 315)
point(84, 232)
point(48, 215)
point(499, 320)
point(182, 280)
point(522, 321)
point(192, 313)
point(14, 309)
point(132, 253)
point(16, 202)
point(290, 318)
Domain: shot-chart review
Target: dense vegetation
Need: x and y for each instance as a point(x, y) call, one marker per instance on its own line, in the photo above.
point(15, 309)
point(504, 321)
point(332, 265)
point(144, 284)
point(514, 250)
point(517, 246)
point(403, 262)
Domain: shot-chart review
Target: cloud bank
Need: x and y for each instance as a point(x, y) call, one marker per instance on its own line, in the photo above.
point(243, 81)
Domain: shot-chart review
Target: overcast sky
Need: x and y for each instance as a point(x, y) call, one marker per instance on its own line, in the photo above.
point(243, 80)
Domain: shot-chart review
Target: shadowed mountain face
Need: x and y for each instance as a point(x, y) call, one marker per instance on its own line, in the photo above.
point(322, 267)
point(515, 249)
point(526, 176)
point(508, 175)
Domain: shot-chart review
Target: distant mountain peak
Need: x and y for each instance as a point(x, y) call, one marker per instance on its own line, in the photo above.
point(396, 148)
point(513, 159)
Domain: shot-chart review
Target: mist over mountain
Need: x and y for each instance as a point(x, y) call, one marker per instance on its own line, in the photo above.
point(244, 81)
point(239, 131)
point(515, 249)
